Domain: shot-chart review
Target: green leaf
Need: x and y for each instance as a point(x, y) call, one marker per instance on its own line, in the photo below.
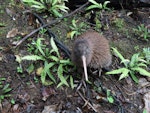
point(54, 2)
point(47, 70)
point(6, 88)
point(134, 60)
point(144, 111)
point(62, 8)
point(93, 7)
point(94, 2)
point(30, 69)
point(39, 45)
point(32, 57)
point(2, 24)
point(105, 4)
point(54, 58)
point(61, 83)
point(142, 60)
point(43, 1)
point(56, 13)
point(134, 77)
point(51, 76)
point(43, 76)
point(124, 74)
point(141, 65)
point(7, 95)
point(54, 47)
point(110, 99)
point(119, 55)
point(28, 2)
point(2, 78)
point(71, 82)
point(141, 71)
point(1, 97)
point(12, 101)
point(117, 71)
point(125, 62)
point(38, 7)
point(60, 75)
point(18, 59)
point(72, 34)
point(66, 62)
point(74, 23)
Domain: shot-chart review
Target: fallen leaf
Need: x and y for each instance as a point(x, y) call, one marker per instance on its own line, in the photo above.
point(15, 107)
point(39, 71)
point(12, 33)
point(50, 109)
point(46, 92)
point(68, 34)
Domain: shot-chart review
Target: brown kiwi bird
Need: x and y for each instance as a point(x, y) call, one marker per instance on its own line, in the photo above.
point(91, 50)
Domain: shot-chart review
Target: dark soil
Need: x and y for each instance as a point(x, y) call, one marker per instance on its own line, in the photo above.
point(28, 93)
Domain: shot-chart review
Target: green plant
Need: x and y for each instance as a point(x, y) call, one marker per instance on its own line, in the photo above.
point(19, 69)
point(36, 46)
point(53, 64)
point(119, 23)
point(52, 6)
point(1, 11)
point(96, 5)
point(4, 89)
point(142, 32)
point(17, 38)
point(43, 31)
point(12, 101)
point(2, 24)
point(31, 47)
point(146, 54)
point(135, 65)
point(109, 97)
point(98, 22)
point(144, 111)
point(76, 29)
point(98, 88)
point(98, 12)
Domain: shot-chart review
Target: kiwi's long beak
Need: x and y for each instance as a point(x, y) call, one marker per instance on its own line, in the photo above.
point(85, 67)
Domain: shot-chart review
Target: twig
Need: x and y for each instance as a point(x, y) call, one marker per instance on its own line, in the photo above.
point(86, 101)
point(48, 24)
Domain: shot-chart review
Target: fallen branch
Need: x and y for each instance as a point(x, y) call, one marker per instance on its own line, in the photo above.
point(51, 23)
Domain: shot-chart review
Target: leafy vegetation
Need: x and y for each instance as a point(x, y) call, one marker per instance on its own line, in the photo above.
point(119, 23)
point(142, 32)
point(76, 29)
point(146, 54)
point(96, 5)
point(53, 6)
point(2, 24)
point(4, 89)
point(54, 66)
point(98, 9)
point(135, 65)
point(144, 111)
point(109, 97)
